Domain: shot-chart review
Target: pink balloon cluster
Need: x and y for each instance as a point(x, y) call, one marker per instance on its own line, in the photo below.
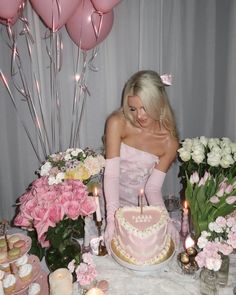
point(88, 22)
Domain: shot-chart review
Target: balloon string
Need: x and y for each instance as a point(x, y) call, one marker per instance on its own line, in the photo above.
point(83, 91)
point(16, 109)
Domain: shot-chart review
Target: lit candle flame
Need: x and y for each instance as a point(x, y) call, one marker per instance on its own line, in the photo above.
point(95, 191)
point(189, 242)
point(185, 204)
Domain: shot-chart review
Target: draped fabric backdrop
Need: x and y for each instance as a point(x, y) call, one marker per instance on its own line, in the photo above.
point(194, 40)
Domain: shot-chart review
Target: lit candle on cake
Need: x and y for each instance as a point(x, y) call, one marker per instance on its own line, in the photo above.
point(98, 211)
point(141, 195)
point(60, 282)
point(185, 221)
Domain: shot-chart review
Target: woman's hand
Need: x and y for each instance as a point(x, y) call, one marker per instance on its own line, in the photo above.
point(109, 232)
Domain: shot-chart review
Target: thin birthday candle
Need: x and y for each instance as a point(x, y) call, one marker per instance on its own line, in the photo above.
point(141, 200)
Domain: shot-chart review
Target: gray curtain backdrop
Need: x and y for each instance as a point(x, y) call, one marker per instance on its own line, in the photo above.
point(194, 40)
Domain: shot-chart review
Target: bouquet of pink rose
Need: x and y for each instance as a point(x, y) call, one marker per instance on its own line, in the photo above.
point(44, 206)
point(54, 206)
point(220, 239)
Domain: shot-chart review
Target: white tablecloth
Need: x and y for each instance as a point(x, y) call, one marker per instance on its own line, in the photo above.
point(165, 281)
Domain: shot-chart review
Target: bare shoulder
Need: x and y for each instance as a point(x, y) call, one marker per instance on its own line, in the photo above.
point(115, 122)
point(170, 146)
point(114, 134)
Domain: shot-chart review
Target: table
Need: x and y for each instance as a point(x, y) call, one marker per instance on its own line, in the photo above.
point(165, 281)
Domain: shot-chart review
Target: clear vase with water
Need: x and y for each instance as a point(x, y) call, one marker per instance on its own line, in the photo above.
point(208, 282)
point(223, 272)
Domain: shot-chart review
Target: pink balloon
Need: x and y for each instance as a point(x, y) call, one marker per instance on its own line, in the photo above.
point(9, 8)
point(55, 13)
point(104, 5)
point(87, 28)
point(12, 20)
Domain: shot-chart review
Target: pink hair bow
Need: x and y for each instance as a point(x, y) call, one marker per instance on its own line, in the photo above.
point(166, 79)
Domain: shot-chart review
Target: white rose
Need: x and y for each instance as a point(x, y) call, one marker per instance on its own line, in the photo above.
point(45, 169)
point(198, 156)
point(51, 180)
point(187, 144)
point(213, 142)
point(213, 159)
point(184, 154)
point(67, 157)
point(204, 140)
point(226, 161)
point(75, 152)
point(216, 149)
point(60, 176)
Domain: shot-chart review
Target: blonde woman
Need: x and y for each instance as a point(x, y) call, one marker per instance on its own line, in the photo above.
point(141, 143)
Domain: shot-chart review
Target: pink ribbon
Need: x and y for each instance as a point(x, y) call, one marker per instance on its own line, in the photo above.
point(166, 79)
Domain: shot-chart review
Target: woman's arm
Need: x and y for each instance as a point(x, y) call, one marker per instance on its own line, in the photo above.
point(112, 173)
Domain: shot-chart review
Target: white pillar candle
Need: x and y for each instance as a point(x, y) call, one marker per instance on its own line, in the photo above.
point(60, 282)
point(95, 291)
point(185, 221)
point(98, 211)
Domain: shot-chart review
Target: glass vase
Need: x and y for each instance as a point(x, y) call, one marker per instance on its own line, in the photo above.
point(208, 282)
point(223, 272)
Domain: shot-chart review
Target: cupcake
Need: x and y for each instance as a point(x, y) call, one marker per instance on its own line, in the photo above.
point(12, 239)
point(13, 253)
point(9, 284)
point(25, 272)
point(5, 267)
point(3, 257)
point(3, 245)
point(34, 289)
point(21, 261)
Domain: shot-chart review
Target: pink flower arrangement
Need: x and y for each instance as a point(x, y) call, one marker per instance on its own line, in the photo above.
point(219, 239)
point(85, 271)
point(45, 205)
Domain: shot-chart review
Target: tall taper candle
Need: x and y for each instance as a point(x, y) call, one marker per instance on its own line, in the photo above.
point(98, 210)
point(185, 220)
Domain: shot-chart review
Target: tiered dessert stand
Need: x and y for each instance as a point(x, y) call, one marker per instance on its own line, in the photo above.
point(38, 275)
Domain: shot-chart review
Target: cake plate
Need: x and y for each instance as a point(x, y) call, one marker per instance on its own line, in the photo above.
point(143, 269)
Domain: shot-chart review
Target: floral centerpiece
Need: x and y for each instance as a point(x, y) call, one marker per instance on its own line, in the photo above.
point(54, 206)
point(208, 176)
point(218, 240)
point(85, 273)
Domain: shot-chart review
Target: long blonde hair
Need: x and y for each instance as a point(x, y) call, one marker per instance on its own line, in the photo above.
point(149, 87)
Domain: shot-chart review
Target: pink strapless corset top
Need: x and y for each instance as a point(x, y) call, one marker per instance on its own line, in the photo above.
point(135, 168)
